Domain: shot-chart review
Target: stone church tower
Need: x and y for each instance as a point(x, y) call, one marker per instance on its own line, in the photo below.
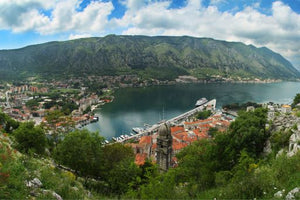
point(164, 148)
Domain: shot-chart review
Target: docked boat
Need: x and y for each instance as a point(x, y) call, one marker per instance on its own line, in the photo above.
point(95, 119)
point(200, 102)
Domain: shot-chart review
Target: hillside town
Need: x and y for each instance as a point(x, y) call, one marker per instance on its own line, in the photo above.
point(193, 129)
point(183, 135)
point(31, 103)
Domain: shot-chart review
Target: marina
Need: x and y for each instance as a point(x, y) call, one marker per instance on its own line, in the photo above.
point(173, 121)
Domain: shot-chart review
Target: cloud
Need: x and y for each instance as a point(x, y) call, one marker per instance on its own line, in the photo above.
point(65, 17)
point(27, 15)
point(78, 36)
point(22, 15)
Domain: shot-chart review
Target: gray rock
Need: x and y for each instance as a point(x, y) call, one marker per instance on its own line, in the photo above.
point(34, 183)
point(54, 194)
point(278, 194)
point(292, 194)
point(279, 153)
point(267, 148)
point(37, 182)
point(57, 196)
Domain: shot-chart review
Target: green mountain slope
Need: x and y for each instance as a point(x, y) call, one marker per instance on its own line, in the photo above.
point(170, 56)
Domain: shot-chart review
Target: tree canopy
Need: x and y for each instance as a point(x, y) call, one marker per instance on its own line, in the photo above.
point(30, 138)
point(8, 124)
point(81, 150)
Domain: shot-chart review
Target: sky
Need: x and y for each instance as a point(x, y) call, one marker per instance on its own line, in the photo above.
point(271, 23)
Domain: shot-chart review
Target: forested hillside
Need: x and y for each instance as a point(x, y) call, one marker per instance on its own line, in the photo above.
point(161, 57)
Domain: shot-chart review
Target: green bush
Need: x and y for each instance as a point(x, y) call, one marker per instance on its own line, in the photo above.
point(280, 140)
point(203, 114)
point(30, 139)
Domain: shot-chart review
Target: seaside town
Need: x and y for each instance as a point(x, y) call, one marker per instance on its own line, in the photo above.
point(33, 99)
point(26, 102)
point(63, 106)
point(193, 129)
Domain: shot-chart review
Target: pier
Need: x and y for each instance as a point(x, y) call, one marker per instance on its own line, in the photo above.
point(176, 120)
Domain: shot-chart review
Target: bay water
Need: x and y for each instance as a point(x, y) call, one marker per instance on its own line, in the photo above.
point(137, 107)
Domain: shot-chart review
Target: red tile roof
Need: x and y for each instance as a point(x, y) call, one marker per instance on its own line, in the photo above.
point(140, 158)
point(145, 140)
point(154, 146)
point(177, 129)
point(178, 145)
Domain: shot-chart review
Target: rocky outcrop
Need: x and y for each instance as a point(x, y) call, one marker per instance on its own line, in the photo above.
point(34, 183)
point(293, 194)
point(294, 143)
point(284, 122)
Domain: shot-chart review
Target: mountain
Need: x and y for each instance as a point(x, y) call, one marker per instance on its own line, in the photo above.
point(162, 57)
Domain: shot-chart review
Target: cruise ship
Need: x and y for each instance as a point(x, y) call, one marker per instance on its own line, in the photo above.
point(200, 102)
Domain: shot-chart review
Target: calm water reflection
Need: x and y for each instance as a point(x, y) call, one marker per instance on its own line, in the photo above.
point(134, 107)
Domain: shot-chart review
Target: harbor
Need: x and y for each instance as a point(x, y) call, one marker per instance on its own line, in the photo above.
point(135, 107)
point(200, 106)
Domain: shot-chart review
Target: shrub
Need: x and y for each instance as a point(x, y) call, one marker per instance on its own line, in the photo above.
point(30, 139)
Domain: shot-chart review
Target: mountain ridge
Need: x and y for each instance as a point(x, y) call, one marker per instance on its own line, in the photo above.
point(171, 56)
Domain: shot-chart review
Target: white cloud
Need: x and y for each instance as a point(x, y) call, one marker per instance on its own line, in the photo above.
point(65, 17)
point(25, 15)
point(22, 15)
point(78, 36)
point(134, 5)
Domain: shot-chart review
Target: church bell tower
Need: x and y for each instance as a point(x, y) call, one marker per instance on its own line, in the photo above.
point(164, 148)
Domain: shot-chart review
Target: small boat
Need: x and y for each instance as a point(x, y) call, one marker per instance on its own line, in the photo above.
point(95, 119)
